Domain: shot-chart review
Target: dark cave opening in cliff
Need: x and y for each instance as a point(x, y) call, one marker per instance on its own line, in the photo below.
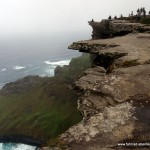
point(101, 60)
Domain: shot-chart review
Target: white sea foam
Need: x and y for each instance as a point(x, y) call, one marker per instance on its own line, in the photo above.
point(24, 147)
point(18, 67)
point(2, 70)
point(53, 64)
point(58, 63)
point(1, 146)
point(10, 146)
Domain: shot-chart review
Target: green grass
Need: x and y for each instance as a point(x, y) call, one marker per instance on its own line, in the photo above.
point(44, 111)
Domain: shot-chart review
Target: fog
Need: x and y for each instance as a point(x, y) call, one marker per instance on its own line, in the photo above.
point(35, 31)
point(20, 18)
point(44, 25)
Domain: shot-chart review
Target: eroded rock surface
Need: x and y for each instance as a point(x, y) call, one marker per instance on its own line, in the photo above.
point(115, 103)
point(111, 28)
point(116, 108)
point(124, 51)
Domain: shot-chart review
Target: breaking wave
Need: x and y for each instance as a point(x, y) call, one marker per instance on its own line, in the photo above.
point(58, 63)
point(2, 70)
point(51, 65)
point(13, 146)
point(18, 67)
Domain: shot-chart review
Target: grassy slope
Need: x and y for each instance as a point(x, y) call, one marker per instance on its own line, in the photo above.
point(46, 110)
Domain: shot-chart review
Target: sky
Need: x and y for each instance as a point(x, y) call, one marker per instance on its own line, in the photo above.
point(49, 17)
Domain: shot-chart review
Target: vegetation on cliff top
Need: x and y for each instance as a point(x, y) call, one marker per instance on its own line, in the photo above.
point(45, 110)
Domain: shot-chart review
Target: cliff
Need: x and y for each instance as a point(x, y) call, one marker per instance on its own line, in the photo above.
point(112, 95)
point(115, 100)
point(35, 109)
point(112, 28)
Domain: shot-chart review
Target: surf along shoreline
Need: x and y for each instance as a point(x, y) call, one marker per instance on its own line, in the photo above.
point(21, 139)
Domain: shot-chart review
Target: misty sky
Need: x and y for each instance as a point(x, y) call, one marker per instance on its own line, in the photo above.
point(33, 17)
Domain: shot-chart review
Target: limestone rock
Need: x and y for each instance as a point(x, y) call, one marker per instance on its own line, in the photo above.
point(111, 28)
point(102, 124)
point(116, 109)
point(125, 51)
point(115, 103)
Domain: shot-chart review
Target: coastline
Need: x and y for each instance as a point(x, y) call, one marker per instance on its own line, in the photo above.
point(115, 103)
point(47, 87)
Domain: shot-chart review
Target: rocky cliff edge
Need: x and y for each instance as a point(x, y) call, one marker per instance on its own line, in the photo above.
point(116, 92)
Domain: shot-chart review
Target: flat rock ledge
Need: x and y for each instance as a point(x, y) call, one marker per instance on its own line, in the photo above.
point(124, 51)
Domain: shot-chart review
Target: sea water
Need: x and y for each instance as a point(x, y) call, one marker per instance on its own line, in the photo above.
point(12, 146)
point(43, 68)
point(31, 57)
point(22, 58)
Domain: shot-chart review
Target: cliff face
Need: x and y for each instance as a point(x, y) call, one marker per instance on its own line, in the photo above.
point(111, 28)
point(124, 51)
point(116, 100)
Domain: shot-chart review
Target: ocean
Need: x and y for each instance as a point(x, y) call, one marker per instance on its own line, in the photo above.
point(12, 146)
point(23, 57)
point(20, 58)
